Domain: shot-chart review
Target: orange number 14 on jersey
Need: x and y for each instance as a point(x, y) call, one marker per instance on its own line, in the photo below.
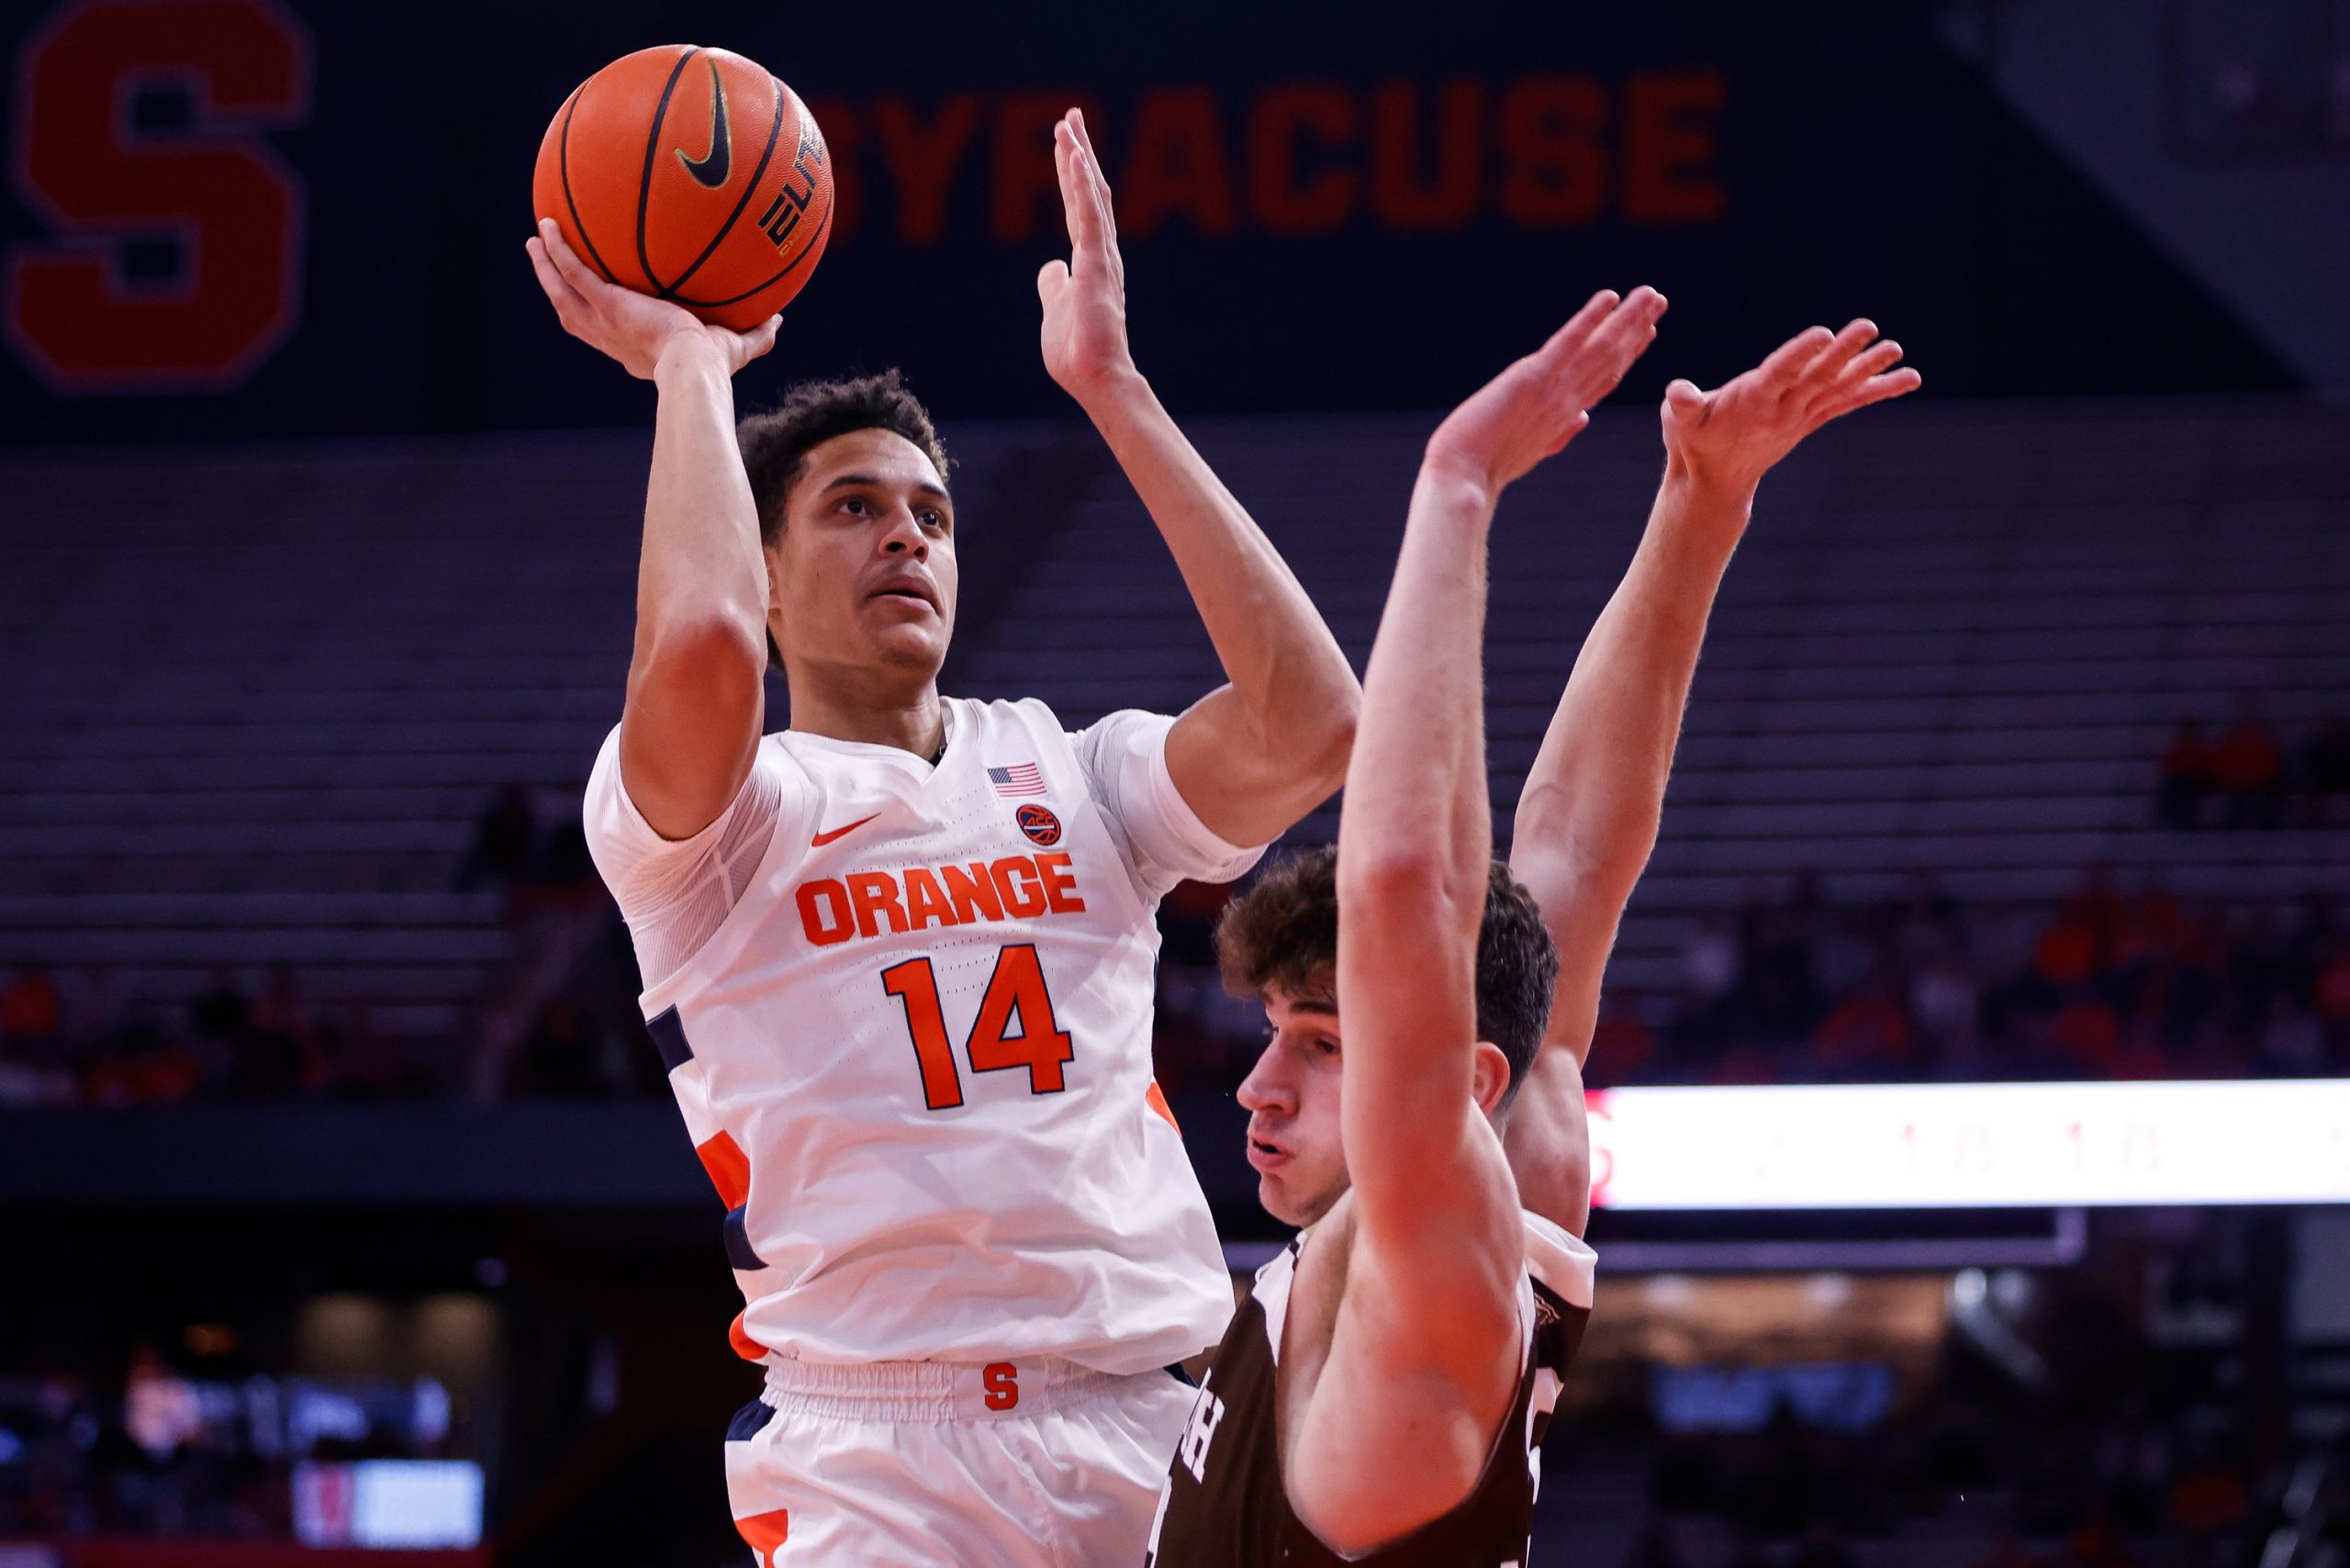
point(1015, 999)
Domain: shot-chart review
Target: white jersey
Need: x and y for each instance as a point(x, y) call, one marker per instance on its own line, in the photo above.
point(906, 1011)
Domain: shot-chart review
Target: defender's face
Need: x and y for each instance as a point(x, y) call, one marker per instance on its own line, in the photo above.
point(864, 576)
point(1292, 1097)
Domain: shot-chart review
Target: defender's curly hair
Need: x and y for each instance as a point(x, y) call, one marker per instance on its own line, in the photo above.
point(1283, 933)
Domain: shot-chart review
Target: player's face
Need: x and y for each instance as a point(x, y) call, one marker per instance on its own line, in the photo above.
point(863, 578)
point(1292, 1097)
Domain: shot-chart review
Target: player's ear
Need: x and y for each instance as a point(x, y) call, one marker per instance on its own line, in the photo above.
point(774, 601)
point(770, 559)
point(1489, 1078)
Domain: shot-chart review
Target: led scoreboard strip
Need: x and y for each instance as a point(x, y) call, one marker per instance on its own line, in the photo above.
point(1922, 1146)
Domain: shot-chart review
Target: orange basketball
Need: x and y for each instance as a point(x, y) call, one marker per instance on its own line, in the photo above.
point(690, 175)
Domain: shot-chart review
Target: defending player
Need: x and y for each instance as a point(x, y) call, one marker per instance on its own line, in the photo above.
point(1381, 1398)
point(899, 957)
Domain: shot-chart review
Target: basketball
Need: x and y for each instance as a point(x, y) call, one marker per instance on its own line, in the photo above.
point(692, 175)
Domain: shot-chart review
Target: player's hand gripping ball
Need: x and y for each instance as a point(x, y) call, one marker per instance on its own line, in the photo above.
point(693, 175)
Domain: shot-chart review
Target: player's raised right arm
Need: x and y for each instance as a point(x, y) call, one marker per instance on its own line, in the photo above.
point(696, 682)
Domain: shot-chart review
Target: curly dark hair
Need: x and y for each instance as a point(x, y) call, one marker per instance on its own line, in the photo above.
point(1284, 933)
point(776, 444)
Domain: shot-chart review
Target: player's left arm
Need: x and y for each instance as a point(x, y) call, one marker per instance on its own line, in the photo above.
point(1588, 816)
point(1266, 748)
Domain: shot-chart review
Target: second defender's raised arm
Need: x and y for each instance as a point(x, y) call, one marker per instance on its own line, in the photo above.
point(1587, 819)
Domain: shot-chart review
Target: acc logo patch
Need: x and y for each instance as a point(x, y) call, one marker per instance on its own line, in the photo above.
point(1039, 823)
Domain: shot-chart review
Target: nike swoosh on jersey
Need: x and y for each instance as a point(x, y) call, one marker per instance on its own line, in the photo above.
point(711, 169)
point(821, 839)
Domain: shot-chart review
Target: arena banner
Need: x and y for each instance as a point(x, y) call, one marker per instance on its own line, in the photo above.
point(256, 218)
point(1972, 1145)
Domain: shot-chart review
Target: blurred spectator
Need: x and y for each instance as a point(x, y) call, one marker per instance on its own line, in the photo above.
point(2330, 993)
point(1710, 960)
point(1945, 998)
point(2189, 777)
point(1869, 1033)
point(273, 1055)
point(2247, 778)
point(504, 839)
point(2206, 1498)
point(2108, 985)
point(1621, 1042)
point(566, 863)
point(143, 1065)
point(223, 1014)
point(2325, 772)
point(2067, 951)
point(560, 1058)
point(364, 1061)
point(2248, 765)
point(31, 1069)
point(30, 1009)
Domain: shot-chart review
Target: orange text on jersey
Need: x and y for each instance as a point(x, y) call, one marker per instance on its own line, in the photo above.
point(866, 903)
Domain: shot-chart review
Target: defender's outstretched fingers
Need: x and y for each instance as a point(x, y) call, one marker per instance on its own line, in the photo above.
point(1573, 428)
point(1562, 343)
point(1829, 362)
point(1625, 334)
point(1874, 361)
point(1876, 389)
point(1786, 363)
point(1631, 326)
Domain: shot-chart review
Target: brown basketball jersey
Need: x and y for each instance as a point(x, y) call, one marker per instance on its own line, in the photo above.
point(1226, 1504)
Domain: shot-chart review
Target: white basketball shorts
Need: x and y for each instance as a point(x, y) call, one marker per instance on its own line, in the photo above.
point(1037, 1463)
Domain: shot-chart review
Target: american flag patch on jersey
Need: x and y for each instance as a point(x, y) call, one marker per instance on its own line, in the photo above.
point(1020, 778)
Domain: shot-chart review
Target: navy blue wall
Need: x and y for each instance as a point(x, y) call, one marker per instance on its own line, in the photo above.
point(1767, 166)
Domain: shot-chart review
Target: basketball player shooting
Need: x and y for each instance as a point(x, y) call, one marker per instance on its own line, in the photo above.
point(899, 957)
point(1381, 1398)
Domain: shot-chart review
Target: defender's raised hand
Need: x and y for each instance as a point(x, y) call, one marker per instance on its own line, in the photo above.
point(1084, 334)
point(632, 328)
point(1533, 409)
point(1730, 437)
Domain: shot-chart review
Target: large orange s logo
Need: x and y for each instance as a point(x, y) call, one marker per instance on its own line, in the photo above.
point(134, 138)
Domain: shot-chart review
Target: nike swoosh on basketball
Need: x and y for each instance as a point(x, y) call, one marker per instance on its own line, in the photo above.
point(821, 839)
point(710, 170)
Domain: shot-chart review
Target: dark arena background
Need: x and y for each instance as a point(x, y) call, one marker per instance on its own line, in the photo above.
point(1970, 1096)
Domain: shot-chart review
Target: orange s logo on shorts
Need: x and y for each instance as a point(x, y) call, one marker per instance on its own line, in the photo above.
point(1001, 1382)
point(764, 1532)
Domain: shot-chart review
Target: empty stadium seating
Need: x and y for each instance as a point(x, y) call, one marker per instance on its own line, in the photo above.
point(1955, 638)
point(254, 700)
